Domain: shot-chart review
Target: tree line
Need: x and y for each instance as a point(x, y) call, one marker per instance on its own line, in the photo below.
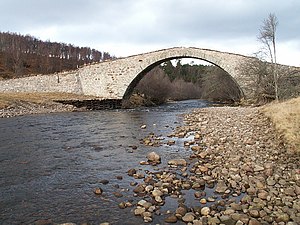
point(21, 55)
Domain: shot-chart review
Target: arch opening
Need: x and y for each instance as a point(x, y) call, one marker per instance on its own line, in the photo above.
point(208, 90)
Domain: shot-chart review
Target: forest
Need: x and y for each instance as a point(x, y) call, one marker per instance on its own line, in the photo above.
point(23, 55)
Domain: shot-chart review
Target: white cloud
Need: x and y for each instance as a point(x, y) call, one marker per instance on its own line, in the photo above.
point(125, 27)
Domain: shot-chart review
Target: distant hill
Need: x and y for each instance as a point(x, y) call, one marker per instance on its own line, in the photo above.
point(22, 55)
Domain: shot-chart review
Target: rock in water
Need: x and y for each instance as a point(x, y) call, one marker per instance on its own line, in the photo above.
point(98, 191)
point(153, 157)
point(171, 219)
point(189, 217)
point(221, 187)
point(177, 162)
point(205, 211)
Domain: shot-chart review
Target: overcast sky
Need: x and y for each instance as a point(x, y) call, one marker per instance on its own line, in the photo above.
point(126, 27)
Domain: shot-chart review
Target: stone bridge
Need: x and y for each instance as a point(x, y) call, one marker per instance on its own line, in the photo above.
point(116, 79)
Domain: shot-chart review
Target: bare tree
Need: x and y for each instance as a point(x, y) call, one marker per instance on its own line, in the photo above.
point(267, 36)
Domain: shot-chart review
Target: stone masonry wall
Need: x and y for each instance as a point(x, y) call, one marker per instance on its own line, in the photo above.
point(67, 82)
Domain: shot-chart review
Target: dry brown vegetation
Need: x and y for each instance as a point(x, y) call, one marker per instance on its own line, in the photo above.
point(7, 99)
point(286, 117)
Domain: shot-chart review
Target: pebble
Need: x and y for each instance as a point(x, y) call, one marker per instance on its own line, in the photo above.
point(139, 211)
point(104, 182)
point(171, 219)
point(181, 211)
point(254, 213)
point(98, 191)
point(118, 194)
point(188, 217)
point(205, 211)
point(131, 172)
point(177, 162)
point(203, 201)
point(210, 199)
point(119, 177)
point(153, 157)
point(258, 168)
point(221, 187)
point(271, 181)
point(139, 188)
point(254, 222)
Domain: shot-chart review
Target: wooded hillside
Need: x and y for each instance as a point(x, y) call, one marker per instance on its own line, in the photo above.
point(21, 55)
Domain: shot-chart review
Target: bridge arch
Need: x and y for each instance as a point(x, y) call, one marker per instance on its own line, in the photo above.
point(140, 76)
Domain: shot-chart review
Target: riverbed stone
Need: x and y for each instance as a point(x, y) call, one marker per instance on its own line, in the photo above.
point(153, 157)
point(254, 213)
point(157, 192)
point(236, 206)
point(131, 172)
point(205, 211)
point(188, 217)
point(180, 211)
point(177, 162)
point(139, 211)
point(258, 168)
point(171, 219)
point(203, 201)
point(221, 187)
point(227, 220)
point(104, 181)
point(282, 217)
point(139, 188)
point(229, 211)
point(263, 194)
point(254, 222)
point(271, 181)
point(118, 194)
point(98, 191)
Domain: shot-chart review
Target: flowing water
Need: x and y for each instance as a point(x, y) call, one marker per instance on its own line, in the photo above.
point(50, 164)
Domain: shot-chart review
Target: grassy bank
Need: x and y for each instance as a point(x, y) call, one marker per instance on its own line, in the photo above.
point(10, 99)
point(286, 117)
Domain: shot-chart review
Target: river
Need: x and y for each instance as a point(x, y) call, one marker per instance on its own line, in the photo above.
point(51, 163)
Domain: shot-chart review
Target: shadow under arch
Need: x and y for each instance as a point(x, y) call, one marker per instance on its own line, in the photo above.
point(140, 76)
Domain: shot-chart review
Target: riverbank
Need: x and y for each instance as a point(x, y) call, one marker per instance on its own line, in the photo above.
point(17, 104)
point(237, 152)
